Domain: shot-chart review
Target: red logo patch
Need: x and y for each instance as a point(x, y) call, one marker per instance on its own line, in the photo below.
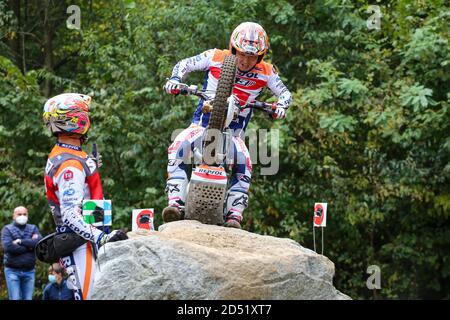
point(318, 214)
point(68, 175)
point(144, 219)
point(248, 163)
point(174, 146)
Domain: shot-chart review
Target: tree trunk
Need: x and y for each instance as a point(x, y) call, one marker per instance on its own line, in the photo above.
point(22, 36)
point(48, 48)
point(14, 44)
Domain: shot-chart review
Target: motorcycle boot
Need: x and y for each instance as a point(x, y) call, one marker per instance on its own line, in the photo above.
point(237, 202)
point(170, 214)
point(176, 192)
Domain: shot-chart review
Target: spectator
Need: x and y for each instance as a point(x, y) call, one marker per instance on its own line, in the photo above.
point(57, 288)
point(19, 240)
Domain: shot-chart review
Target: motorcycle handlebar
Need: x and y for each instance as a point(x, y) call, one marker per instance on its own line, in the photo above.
point(269, 108)
point(185, 89)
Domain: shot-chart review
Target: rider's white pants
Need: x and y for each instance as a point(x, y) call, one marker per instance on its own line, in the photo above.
point(80, 267)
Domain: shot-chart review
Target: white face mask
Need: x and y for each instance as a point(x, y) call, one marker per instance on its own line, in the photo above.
point(22, 220)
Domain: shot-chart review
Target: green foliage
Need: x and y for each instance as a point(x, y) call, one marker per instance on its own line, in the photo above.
point(367, 132)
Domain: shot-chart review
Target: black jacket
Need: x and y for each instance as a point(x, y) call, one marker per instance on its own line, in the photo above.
point(19, 256)
point(53, 291)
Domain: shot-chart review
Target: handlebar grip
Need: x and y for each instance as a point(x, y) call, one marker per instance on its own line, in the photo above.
point(94, 150)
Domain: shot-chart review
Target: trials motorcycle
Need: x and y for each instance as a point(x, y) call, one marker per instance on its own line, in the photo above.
point(206, 190)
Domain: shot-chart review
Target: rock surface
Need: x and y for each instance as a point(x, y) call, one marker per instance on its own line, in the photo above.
point(190, 260)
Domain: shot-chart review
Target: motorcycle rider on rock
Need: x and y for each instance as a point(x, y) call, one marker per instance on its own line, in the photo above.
point(249, 42)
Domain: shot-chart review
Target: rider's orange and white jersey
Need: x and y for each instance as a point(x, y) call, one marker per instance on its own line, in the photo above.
point(71, 176)
point(247, 88)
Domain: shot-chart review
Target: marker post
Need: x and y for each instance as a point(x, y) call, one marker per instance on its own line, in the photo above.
point(319, 221)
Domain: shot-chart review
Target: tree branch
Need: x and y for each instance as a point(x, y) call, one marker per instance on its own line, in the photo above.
point(31, 34)
point(66, 59)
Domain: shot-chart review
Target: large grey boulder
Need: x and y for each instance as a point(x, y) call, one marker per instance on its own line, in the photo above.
point(190, 260)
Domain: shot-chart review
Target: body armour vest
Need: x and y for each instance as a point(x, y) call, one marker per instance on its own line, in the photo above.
point(70, 176)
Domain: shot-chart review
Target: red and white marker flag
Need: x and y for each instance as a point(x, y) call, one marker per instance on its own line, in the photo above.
point(320, 214)
point(142, 219)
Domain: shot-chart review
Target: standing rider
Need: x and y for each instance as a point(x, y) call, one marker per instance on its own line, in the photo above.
point(249, 42)
point(71, 176)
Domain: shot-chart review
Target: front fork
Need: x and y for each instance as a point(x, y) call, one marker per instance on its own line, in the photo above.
point(223, 158)
point(206, 192)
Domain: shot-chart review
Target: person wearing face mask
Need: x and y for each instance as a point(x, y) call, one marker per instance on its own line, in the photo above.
point(57, 288)
point(19, 239)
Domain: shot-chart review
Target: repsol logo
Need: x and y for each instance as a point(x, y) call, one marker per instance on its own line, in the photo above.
point(245, 83)
point(253, 75)
point(76, 229)
point(214, 172)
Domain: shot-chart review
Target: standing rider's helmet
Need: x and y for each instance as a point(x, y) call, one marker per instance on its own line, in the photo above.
point(67, 113)
point(249, 38)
